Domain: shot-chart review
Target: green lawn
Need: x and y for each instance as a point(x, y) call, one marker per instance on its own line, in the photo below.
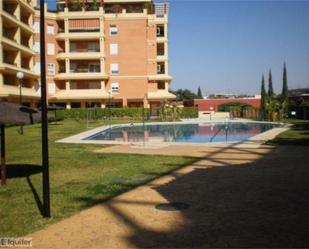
point(79, 177)
point(297, 135)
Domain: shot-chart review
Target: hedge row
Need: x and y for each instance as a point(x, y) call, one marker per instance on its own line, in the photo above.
point(189, 112)
point(130, 113)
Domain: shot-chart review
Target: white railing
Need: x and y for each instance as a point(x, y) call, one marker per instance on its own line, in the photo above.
point(161, 9)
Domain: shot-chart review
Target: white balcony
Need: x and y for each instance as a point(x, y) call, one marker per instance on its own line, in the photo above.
point(8, 90)
point(80, 76)
point(80, 55)
point(78, 94)
point(164, 77)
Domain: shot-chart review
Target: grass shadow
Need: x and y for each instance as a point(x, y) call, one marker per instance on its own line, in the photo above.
point(26, 171)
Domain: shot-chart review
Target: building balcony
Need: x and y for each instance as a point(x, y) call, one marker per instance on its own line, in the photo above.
point(19, 47)
point(160, 77)
point(79, 35)
point(79, 94)
point(13, 69)
point(162, 39)
point(8, 90)
point(79, 55)
point(8, 17)
point(162, 58)
point(81, 75)
point(28, 5)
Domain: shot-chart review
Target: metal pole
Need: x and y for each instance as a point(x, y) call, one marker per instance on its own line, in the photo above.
point(3, 173)
point(21, 103)
point(45, 162)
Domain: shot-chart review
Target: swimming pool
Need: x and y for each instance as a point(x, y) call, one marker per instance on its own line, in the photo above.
point(182, 132)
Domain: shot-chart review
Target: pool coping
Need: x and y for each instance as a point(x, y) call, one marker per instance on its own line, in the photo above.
point(254, 140)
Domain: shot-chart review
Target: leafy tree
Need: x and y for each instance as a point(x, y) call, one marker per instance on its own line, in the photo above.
point(169, 111)
point(284, 94)
point(199, 93)
point(263, 107)
point(184, 94)
point(271, 93)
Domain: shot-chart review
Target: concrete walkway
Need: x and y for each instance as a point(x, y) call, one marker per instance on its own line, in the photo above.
point(237, 197)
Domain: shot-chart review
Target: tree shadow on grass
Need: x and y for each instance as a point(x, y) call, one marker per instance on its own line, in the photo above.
point(263, 203)
point(26, 171)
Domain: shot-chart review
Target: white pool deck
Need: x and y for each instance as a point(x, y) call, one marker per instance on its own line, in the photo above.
point(253, 142)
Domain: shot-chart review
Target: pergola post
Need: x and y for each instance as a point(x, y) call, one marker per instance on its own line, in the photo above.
point(3, 173)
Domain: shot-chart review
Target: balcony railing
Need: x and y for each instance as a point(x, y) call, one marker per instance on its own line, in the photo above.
point(161, 9)
point(95, 69)
point(84, 50)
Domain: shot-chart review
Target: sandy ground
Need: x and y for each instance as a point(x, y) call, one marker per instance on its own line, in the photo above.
point(238, 197)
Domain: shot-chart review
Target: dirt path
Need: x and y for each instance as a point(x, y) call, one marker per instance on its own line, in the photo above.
point(237, 197)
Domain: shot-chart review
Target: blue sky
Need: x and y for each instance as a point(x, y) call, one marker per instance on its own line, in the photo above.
point(225, 46)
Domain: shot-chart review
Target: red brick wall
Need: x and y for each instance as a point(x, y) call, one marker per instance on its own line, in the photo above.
point(206, 104)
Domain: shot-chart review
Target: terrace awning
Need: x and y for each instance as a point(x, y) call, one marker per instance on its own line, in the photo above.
point(84, 24)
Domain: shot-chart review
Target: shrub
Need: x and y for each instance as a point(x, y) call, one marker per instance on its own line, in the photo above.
point(189, 112)
point(104, 113)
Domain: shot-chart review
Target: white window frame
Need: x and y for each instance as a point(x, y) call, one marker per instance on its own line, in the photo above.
point(114, 88)
point(36, 27)
point(114, 68)
point(158, 31)
point(37, 67)
point(159, 68)
point(50, 48)
point(51, 88)
point(113, 30)
point(51, 68)
point(73, 67)
point(50, 29)
point(37, 47)
point(113, 49)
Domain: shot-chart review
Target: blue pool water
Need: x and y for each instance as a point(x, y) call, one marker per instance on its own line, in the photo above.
point(183, 133)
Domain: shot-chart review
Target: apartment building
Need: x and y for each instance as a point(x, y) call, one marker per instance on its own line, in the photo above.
point(16, 52)
point(106, 53)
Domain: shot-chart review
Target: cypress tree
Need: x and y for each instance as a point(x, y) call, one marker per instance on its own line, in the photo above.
point(263, 99)
point(199, 93)
point(271, 93)
point(284, 93)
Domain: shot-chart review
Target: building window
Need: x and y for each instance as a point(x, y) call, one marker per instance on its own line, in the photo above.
point(160, 68)
point(115, 88)
point(113, 49)
point(51, 69)
point(160, 30)
point(51, 88)
point(114, 69)
point(94, 67)
point(50, 48)
point(93, 47)
point(50, 29)
point(161, 85)
point(94, 85)
point(36, 27)
point(113, 30)
point(36, 47)
point(37, 67)
point(73, 85)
